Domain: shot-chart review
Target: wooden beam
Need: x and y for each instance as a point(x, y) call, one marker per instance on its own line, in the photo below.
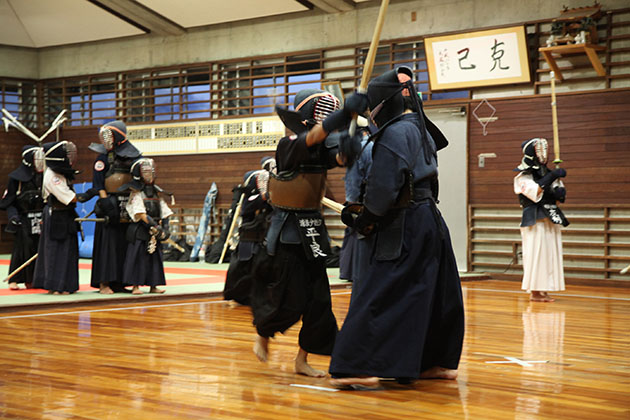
point(140, 16)
point(333, 6)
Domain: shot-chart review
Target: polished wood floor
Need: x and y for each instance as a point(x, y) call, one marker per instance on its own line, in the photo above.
point(192, 360)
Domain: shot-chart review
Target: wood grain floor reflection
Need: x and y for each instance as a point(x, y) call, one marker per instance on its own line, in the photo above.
point(192, 360)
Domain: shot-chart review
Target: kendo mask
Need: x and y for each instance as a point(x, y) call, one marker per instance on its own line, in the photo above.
point(112, 134)
point(61, 157)
point(33, 157)
point(387, 92)
point(314, 106)
point(143, 173)
point(535, 154)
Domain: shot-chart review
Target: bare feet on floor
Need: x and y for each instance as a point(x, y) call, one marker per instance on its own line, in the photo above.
point(540, 297)
point(438, 372)
point(368, 382)
point(233, 304)
point(548, 298)
point(303, 368)
point(156, 290)
point(261, 348)
point(136, 290)
point(105, 290)
point(14, 286)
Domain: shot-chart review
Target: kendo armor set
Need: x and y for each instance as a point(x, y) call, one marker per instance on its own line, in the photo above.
point(535, 157)
point(305, 188)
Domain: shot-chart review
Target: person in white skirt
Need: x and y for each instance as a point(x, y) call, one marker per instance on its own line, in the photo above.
point(539, 189)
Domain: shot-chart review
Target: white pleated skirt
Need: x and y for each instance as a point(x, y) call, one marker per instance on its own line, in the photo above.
point(542, 257)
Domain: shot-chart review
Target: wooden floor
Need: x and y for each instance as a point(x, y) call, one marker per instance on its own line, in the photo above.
point(192, 360)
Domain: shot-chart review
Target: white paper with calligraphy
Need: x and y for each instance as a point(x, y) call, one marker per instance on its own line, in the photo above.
point(481, 58)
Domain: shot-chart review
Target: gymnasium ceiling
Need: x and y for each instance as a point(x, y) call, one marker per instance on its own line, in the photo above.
point(46, 23)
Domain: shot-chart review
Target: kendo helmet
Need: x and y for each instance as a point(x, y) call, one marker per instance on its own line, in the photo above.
point(61, 156)
point(112, 134)
point(32, 162)
point(535, 154)
point(387, 92)
point(33, 157)
point(142, 173)
point(314, 105)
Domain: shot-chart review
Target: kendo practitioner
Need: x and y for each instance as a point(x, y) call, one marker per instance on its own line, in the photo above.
point(539, 189)
point(57, 264)
point(111, 170)
point(144, 264)
point(406, 314)
point(23, 203)
point(354, 183)
point(290, 279)
point(255, 213)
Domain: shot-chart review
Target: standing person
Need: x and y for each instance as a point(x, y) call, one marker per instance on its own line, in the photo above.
point(539, 189)
point(406, 314)
point(354, 182)
point(111, 170)
point(23, 203)
point(290, 279)
point(144, 264)
point(255, 211)
point(57, 264)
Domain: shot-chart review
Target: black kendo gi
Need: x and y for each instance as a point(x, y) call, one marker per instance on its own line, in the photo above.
point(144, 263)
point(110, 172)
point(290, 279)
point(255, 211)
point(23, 203)
point(406, 313)
point(57, 264)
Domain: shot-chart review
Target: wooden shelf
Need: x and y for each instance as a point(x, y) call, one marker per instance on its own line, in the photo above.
point(589, 49)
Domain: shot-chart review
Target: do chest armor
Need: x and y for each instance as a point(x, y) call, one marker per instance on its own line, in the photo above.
point(118, 173)
point(152, 202)
point(29, 197)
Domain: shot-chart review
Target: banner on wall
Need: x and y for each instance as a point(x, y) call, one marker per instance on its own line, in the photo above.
point(217, 136)
point(481, 58)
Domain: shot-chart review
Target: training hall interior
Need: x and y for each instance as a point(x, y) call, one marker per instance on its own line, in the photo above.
point(197, 82)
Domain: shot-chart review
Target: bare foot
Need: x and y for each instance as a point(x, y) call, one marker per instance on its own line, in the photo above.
point(303, 368)
point(368, 382)
point(28, 285)
point(56, 293)
point(233, 304)
point(156, 290)
point(438, 372)
point(65, 293)
point(261, 348)
point(14, 286)
point(136, 290)
point(537, 297)
point(547, 297)
point(105, 290)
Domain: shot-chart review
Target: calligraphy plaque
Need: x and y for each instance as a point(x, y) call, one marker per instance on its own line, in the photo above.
point(481, 58)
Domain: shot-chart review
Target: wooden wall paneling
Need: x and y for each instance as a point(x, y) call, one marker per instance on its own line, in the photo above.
point(596, 245)
point(594, 131)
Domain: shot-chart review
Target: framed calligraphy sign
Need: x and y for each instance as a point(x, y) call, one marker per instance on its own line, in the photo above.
point(481, 58)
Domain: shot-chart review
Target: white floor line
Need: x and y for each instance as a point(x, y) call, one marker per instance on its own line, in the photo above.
point(556, 294)
point(110, 309)
point(334, 293)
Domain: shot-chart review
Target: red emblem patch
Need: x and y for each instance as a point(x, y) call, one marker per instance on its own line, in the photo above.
point(99, 165)
point(56, 180)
